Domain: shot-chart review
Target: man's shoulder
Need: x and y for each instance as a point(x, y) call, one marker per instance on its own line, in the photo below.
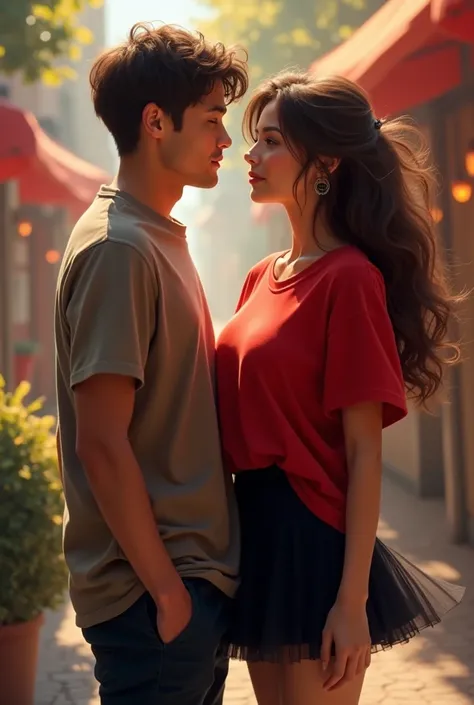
point(103, 234)
point(102, 224)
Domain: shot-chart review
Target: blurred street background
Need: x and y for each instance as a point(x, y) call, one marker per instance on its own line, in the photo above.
point(413, 57)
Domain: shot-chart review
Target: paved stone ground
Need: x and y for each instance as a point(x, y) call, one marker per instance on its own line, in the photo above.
point(436, 668)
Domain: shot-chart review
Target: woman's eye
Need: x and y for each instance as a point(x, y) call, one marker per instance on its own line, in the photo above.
point(269, 140)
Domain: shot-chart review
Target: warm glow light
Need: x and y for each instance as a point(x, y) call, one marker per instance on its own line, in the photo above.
point(52, 256)
point(462, 191)
point(25, 228)
point(470, 159)
point(437, 215)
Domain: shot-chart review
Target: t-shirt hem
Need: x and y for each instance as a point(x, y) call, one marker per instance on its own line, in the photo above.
point(226, 584)
point(104, 614)
point(330, 516)
point(107, 367)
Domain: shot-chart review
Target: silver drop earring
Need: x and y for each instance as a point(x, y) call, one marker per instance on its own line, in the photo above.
point(322, 186)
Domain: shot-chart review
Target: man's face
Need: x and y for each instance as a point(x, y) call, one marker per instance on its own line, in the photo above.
point(195, 151)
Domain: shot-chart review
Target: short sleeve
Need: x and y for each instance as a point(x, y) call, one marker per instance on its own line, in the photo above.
point(362, 361)
point(251, 280)
point(111, 313)
point(246, 290)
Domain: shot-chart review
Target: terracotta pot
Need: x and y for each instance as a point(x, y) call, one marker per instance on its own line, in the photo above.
point(18, 661)
point(24, 363)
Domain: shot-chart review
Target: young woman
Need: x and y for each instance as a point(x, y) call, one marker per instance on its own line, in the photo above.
point(327, 339)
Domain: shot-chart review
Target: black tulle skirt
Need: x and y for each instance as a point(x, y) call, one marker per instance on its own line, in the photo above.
point(291, 569)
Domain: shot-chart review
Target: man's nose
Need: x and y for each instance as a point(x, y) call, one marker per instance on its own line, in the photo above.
point(225, 139)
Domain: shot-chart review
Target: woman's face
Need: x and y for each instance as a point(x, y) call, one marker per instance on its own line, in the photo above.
point(273, 169)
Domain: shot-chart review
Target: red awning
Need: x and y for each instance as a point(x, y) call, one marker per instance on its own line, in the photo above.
point(407, 53)
point(17, 141)
point(455, 17)
point(47, 172)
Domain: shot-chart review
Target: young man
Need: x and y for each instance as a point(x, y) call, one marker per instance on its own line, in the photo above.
point(151, 536)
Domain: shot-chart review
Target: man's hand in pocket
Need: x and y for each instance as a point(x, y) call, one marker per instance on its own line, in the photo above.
point(174, 612)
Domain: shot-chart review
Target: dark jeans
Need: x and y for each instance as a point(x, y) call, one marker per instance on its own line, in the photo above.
point(135, 667)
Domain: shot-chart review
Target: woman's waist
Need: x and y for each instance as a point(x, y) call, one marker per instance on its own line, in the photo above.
point(315, 464)
point(311, 477)
point(265, 445)
point(268, 489)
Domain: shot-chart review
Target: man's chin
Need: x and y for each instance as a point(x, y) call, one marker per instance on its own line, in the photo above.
point(205, 181)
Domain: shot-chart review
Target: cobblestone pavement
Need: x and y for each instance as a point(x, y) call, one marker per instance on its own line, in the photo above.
point(436, 668)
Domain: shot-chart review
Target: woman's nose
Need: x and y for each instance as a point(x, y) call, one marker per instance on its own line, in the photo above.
point(250, 157)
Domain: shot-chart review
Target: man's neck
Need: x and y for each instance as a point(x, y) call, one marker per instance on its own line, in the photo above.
point(148, 185)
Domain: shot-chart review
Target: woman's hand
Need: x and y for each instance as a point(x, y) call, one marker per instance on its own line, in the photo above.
point(348, 629)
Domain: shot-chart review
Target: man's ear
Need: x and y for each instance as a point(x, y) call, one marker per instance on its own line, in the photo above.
point(152, 120)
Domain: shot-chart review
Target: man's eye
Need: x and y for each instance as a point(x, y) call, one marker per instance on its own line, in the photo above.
point(214, 122)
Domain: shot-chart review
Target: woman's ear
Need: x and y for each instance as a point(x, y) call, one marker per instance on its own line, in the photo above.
point(325, 166)
point(331, 164)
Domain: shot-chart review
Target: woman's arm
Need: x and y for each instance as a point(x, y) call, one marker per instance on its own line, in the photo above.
point(363, 440)
point(347, 625)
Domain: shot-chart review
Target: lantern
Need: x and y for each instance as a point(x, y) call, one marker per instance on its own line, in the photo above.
point(437, 215)
point(461, 191)
point(24, 228)
point(52, 256)
point(470, 159)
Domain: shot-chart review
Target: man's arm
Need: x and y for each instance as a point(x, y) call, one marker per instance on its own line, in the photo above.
point(104, 407)
point(112, 316)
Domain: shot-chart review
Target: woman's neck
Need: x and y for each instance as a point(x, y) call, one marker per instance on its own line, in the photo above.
point(310, 238)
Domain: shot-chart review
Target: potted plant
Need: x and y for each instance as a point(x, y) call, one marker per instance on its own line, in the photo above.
point(33, 575)
point(25, 351)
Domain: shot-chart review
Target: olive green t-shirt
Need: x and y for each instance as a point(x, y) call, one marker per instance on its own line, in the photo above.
point(129, 302)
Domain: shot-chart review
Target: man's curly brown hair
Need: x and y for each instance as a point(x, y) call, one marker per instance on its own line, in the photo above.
point(168, 66)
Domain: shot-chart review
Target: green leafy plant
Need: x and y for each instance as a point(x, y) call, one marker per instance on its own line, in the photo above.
point(33, 573)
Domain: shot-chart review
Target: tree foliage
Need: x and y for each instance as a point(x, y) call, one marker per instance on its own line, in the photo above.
point(34, 35)
point(282, 34)
point(285, 33)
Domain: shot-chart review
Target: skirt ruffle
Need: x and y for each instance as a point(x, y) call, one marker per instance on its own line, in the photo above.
point(291, 569)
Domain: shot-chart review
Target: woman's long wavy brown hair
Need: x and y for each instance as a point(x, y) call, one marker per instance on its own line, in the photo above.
point(379, 201)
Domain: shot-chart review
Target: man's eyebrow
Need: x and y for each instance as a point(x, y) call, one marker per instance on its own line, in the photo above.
point(217, 109)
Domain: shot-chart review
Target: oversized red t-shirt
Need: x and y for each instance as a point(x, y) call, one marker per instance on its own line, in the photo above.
point(295, 354)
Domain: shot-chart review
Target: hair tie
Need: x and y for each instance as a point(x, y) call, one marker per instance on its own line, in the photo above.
point(377, 124)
